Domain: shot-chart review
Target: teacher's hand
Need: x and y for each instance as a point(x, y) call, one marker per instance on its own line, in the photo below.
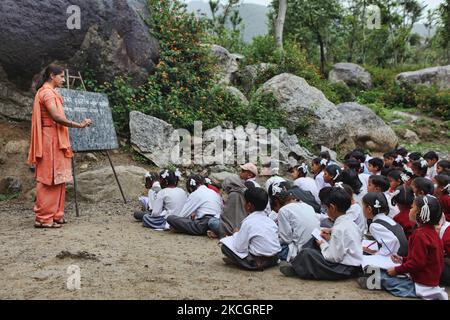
point(85, 123)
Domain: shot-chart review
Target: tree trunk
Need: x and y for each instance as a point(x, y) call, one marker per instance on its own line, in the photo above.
point(279, 23)
point(322, 53)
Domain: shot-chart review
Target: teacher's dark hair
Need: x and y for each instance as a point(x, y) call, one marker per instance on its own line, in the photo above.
point(51, 69)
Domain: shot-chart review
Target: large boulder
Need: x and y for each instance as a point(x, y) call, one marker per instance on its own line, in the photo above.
point(113, 40)
point(100, 185)
point(227, 62)
point(367, 129)
point(439, 76)
point(306, 104)
point(351, 74)
point(151, 137)
point(237, 94)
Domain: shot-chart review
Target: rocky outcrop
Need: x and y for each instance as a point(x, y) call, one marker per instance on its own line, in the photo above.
point(227, 62)
point(248, 76)
point(305, 104)
point(439, 76)
point(351, 74)
point(367, 129)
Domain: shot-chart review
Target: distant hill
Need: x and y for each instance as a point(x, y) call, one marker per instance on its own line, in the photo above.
point(254, 17)
point(422, 30)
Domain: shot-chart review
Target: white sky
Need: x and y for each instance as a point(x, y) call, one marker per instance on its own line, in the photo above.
point(431, 3)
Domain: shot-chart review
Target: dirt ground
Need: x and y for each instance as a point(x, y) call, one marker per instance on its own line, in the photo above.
point(122, 260)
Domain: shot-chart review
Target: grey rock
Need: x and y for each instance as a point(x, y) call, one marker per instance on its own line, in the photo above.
point(439, 76)
point(100, 185)
point(113, 38)
point(10, 185)
point(17, 147)
point(151, 137)
point(303, 102)
point(237, 94)
point(221, 176)
point(351, 74)
point(248, 75)
point(333, 154)
point(367, 129)
point(411, 136)
point(227, 62)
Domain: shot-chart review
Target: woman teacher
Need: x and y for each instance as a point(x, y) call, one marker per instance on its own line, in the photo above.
point(50, 149)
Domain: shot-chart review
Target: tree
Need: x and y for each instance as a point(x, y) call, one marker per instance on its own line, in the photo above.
point(279, 23)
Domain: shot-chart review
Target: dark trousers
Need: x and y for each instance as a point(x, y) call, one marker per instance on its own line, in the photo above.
point(250, 262)
point(445, 277)
point(310, 264)
point(197, 227)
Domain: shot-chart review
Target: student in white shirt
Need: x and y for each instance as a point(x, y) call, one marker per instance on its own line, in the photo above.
point(255, 246)
point(432, 159)
point(318, 166)
point(153, 186)
point(382, 184)
point(355, 211)
point(296, 220)
point(388, 233)
point(168, 201)
point(299, 175)
point(201, 205)
point(272, 173)
point(339, 255)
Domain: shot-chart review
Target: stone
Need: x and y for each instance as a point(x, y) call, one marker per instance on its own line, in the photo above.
point(220, 176)
point(227, 63)
point(151, 137)
point(351, 74)
point(439, 76)
point(238, 95)
point(411, 136)
point(248, 76)
point(307, 104)
point(100, 184)
point(367, 129)
point(17, 147)
point(333, 154)
point(90, 157)
point(10, 185)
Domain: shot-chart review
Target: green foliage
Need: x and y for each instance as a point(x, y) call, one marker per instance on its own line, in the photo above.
point(8, 197)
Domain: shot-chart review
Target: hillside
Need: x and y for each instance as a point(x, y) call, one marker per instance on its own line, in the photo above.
point(254, 17)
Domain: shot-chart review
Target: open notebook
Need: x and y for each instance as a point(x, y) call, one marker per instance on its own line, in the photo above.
point(376, 260)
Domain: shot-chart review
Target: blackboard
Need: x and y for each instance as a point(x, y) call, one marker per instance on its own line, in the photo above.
point(79, 105)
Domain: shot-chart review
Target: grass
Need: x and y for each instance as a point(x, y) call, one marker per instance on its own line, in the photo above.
point(8, 197)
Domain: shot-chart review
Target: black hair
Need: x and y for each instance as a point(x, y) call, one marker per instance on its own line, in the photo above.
point(444, 164)
point(317, 161)
point(443, 180)
point(422, 168)
point(284, 196)
point(358, 155)
point(257, 197)
point(414, 156)
point(350, 177)
point(377, 201)
point(340, 198)
point(249, 184)
point(396, 175)
point(354, 164)
point(169, 179)
point(301, 168)
point(325, 155)
point(193, 182)
point(347, 156)
point(377, 162)
point(435, 210)
point(390, 154)
point(324, 193)
point(424, 185)
point(381, 182)
point(399, 162)
point(401, 152)
point(334, 171)
point(404, 196)
point(431, 155)
point(348, 189)
point(52, 69)
point(151, 177)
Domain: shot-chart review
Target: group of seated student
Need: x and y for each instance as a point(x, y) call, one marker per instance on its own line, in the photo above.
point(330, 223)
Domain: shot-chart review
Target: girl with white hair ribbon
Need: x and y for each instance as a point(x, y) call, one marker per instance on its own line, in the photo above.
point(318, 166)
point(421, 270)
point(299, 174)
point(168, 201)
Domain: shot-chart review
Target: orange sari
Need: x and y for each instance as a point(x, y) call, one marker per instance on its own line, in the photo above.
point(51, 153)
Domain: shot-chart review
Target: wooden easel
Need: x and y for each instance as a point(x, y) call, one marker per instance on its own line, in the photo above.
point(71, 82)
